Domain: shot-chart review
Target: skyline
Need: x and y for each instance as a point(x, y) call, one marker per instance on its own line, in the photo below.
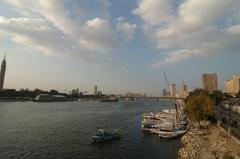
point(119, 46)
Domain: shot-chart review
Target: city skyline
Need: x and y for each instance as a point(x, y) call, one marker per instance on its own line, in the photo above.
point(120, 46)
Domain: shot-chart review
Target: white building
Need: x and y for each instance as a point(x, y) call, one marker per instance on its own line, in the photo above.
point(232, 85)
point(183, 93)
point(173, 90)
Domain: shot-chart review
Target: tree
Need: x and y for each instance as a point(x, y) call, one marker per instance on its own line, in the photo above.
point(217, 97)
point(197, 91)
point(53, 92)
point(238, 94)
point(199, 107)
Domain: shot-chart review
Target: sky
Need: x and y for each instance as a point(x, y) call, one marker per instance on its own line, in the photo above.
point(120, 46)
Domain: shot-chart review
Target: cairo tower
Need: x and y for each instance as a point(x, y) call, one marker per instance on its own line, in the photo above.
point(2, 73)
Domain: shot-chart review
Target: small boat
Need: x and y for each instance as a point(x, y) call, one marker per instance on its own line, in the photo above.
point(110, 99)
point(104, 135)
point(171, 134)
point(153, 128)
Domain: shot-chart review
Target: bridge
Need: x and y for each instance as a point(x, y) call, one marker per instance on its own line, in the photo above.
point(152, 97)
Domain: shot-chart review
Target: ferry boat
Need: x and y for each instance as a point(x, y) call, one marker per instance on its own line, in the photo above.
point(104, 135)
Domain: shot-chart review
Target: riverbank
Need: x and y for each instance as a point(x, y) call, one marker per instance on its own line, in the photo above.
point(209, 143)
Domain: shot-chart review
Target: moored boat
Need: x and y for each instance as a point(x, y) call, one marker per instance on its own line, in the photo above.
point(171, 134)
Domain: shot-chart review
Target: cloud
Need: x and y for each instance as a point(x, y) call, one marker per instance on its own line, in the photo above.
point(154, 12)
point(195, 28)
point(126, 29)
point(235, 29)
point(49, 27)
point(175, 56)
point(100, 35)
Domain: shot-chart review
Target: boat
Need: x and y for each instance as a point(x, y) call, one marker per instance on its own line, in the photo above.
point(104, 135)
point(110, 99)
point(171, 134)
point(153, 127)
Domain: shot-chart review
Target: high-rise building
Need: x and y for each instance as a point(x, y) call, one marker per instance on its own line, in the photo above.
point(209, 82)
point(173, 90)
point(2, 73)
point(232, 85)
point(164, 92)
point(95, 91)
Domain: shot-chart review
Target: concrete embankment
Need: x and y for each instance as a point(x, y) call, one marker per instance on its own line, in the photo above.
point(210, 143)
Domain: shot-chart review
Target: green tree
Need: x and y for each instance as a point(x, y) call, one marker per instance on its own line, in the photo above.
point(197, 91)
point(217, 97)
point(199, 107)
point(53, 92)
point(238, 94)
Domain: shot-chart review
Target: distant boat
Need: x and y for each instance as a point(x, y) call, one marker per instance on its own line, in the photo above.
point(50, 98)
point(109, 99)
point(83, 99)
point(103, 135)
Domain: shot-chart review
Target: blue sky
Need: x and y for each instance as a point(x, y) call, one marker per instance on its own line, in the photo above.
point(119, 46)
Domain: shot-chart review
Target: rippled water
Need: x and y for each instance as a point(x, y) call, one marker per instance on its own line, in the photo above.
point(63, 130)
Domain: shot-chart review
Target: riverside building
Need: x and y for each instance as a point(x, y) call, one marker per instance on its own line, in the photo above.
point(173, 90)
point(209, 82)
point(232, 85)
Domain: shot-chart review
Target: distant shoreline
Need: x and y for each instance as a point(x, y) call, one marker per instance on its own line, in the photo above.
point(28, 99)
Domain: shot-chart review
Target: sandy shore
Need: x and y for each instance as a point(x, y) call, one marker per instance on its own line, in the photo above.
point(210, 143)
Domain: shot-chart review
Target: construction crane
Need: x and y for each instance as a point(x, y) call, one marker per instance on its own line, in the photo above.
point(175, 105)
point(168, 84)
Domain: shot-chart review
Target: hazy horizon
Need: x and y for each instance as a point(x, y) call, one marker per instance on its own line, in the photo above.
point(120, 46)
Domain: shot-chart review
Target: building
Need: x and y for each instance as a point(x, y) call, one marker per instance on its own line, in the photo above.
point(164, 93)
point(209, 82)
point(2, 73)
point(134, 95)
point(173, 90)
point(183, 93)
point(232, 85)
point(95, 91)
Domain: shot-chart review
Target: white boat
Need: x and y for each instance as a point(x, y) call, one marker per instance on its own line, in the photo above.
point(171, 134)
point(153, 128)
point(168, 123)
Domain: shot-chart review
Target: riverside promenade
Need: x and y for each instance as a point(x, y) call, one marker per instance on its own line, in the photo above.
point(211, 143)
point(228, 119)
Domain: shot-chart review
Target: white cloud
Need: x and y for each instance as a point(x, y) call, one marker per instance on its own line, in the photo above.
point(175, 56)
point(154, 12)
point(99, 34)
point(126, 29)
point(196, 28)
point(203, 12)
point(235, 29)
point(49, 28)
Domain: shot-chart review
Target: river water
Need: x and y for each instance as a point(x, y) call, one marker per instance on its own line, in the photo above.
point(30, 130)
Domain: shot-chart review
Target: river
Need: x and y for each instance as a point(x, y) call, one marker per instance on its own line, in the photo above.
point(30, 130)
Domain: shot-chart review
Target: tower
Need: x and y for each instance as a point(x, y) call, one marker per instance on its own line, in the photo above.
point(2, 73)
point(210, 82)
point(95, 90)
